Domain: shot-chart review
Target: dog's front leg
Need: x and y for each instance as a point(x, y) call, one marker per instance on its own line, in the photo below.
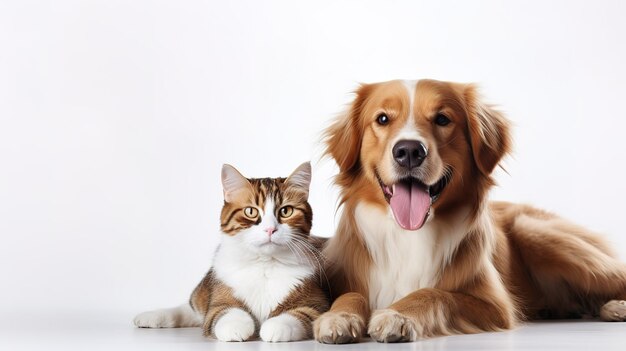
point(345, 322)
point(431, 312)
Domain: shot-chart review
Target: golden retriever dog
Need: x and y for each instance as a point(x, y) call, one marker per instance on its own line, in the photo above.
point(420, 251)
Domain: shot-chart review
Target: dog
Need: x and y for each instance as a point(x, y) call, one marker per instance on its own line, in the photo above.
point(420, 251)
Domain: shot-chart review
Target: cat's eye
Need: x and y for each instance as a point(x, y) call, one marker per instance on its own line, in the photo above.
point(250, 212)
point(286, 212)
point(442, 120)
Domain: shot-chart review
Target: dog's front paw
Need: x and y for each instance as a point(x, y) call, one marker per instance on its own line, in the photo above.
point(391, 326)
point(338, 328)
point(613, 311)
point(284, 327)
point(234, 325)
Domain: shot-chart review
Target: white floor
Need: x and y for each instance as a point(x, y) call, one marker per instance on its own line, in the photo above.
point(108, 331)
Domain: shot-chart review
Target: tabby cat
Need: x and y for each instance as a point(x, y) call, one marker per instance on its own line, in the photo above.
point(267, 273)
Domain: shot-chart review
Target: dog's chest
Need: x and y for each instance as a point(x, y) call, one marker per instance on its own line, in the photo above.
point(402, 261)
point(260, 284)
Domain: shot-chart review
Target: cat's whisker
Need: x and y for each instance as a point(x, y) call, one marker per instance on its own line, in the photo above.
point(304, 253)
point(296, 251)
point(303, 257)
point(311, 249)
point(309, 246)
point(317, 254)
point(301, 244)
point(290, 247)
point(315, 249)
point(296, 242)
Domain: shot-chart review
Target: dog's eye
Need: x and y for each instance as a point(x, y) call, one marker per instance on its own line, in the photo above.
point(382, 119)
point(442, 120)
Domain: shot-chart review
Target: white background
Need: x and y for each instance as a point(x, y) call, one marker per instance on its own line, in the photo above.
point(116, 116)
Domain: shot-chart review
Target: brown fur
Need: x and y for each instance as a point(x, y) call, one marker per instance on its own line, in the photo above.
point(515, 262)
point(212, 298)
point(306, 303)
point(233, 220)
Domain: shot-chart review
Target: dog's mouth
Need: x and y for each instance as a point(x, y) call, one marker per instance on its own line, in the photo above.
point(411, 200)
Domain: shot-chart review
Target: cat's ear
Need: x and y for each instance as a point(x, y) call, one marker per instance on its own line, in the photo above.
point(233, 182)
point(301, 178)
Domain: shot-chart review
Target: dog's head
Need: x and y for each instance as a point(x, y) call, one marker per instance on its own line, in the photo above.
point(417, 146)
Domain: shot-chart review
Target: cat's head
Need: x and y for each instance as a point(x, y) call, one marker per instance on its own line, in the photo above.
point(266, 214)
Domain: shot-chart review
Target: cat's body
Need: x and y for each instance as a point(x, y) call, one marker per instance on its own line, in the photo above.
point(282, 288)
point(267, 274)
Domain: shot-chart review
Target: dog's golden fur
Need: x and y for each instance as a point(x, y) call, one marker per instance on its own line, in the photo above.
point(511, 262)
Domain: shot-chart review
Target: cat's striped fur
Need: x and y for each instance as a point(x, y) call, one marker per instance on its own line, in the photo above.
point(267, 276)
point(233, 219)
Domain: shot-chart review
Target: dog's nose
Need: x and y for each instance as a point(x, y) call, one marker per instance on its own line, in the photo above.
point(409, 153)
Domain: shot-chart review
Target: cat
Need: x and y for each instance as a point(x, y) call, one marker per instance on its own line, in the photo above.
point(267, 274)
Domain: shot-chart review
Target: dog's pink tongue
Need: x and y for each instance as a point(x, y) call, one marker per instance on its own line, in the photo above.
point(410, 203)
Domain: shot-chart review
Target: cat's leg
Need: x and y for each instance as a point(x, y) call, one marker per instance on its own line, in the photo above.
point(284, 327)
point(182, 316)
point(292, 325)
point(226, 318)
point(229, 324)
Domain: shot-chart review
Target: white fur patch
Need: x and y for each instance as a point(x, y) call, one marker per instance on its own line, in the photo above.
point(409, 130)
point(268, 219)
point(404, 261)
point(284, 327)
point(182, 316)
point(411, 86)
point(259, 279)
point(235, 325)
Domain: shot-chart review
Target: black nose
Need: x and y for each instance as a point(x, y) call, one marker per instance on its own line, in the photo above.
point(409, 153)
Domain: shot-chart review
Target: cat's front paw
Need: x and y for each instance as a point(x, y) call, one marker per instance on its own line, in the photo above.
point(234, 325)
point(284, 327)
point(155, 319)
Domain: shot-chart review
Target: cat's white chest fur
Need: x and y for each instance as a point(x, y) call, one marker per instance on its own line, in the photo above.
point(259, 281)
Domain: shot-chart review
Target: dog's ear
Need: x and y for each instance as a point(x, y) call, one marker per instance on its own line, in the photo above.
point(343, 137)
point(489, 132)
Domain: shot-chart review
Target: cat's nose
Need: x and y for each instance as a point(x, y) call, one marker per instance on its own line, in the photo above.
point(270, 230)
